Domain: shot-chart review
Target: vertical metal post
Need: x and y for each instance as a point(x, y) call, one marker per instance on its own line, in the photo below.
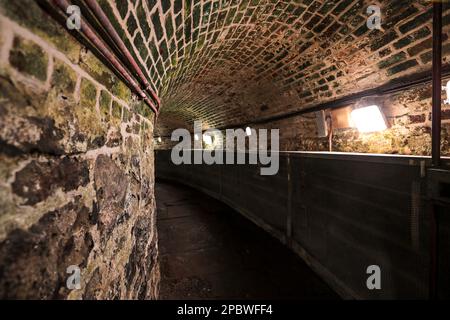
point(435, 139)
point(289, 202)
point(432, 208)
point(437, 83)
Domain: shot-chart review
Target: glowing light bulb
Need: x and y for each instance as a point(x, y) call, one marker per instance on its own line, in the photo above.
point(248, 131)
point(207, 139)
point(369, 119)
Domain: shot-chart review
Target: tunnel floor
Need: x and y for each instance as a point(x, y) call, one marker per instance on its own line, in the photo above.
point(209, 251)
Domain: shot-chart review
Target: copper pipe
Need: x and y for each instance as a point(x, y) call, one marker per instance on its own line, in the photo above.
point(437, 84)
point(87, 30)
point(329, 119)
point(106, 23)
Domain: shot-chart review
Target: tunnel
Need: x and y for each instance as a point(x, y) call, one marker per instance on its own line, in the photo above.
point(224, 150)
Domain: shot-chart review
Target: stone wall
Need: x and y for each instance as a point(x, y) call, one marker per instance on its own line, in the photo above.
point(76, 169)
point(230, 62)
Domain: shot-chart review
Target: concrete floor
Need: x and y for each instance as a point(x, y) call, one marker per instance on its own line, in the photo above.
point(208, 251)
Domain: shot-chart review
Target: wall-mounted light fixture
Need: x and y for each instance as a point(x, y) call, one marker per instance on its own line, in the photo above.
point(207, 139)
point(447, 89)
point(321, 124)
point(159, 139)
point(196, 137)
point(248, 131)
point(369, 119)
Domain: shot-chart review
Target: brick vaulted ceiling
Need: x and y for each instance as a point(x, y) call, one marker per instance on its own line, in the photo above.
point(232, 61)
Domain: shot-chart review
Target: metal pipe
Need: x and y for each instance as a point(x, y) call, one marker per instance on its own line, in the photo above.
point(87, 30)
point(437, 84)
point(106, 23)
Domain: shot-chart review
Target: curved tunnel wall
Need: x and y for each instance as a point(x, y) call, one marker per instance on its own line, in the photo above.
point(341, 213)
point(76, 169)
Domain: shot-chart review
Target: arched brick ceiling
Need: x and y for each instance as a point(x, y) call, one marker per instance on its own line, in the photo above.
point(232, 61)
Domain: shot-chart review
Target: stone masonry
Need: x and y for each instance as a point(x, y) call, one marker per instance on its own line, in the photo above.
point(230, 62)
point(76, 169)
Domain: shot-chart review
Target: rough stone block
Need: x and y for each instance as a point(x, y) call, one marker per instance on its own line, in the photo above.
point(384, 40)
point(131, 24)
point(105, 105)
point(419, 34)
point(28, 14)
point(122, 5)
point(416, 22)
point(402, 67)
point(64, 79)
point(29, 58)
point(116, 111)
point(401, 56)
point(38, 180)
point(88, 94)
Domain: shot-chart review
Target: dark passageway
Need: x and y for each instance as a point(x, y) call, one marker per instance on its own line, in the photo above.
point(316, 134)
point(208, 251)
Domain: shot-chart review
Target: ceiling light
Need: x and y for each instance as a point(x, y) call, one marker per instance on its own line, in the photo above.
point(369, 119)
point(248, 131)
point(207, 139)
